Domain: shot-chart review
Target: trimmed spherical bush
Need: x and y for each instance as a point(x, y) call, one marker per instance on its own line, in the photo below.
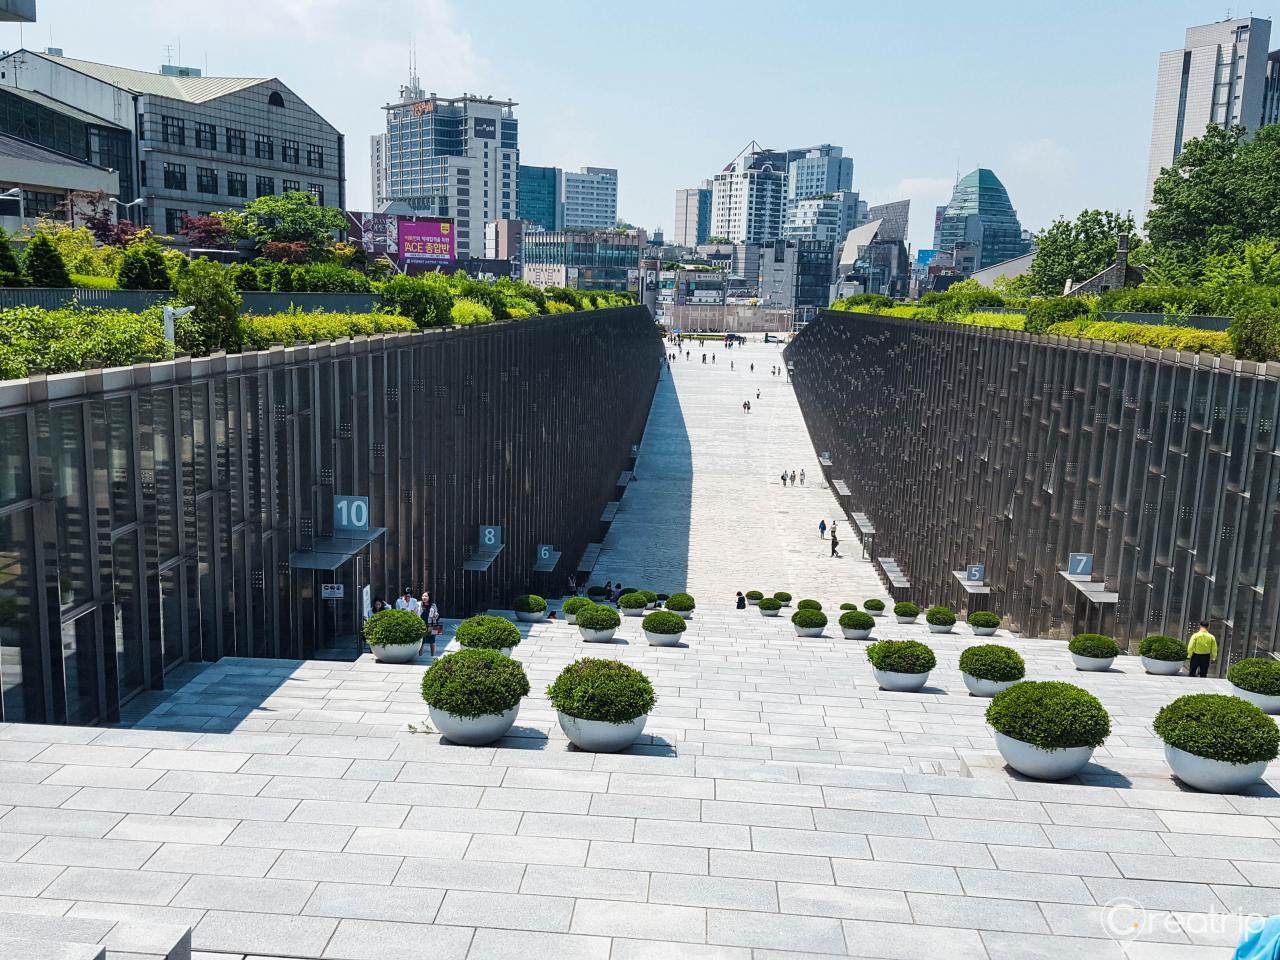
point(1159, 646)
point(394, 628)
point(574, 604)
point(487, 633)
point(940, 617)
point(596, 592)
point(1218, 727)
point(984, 620)
point(633, 601)
point(906, 608)
point(901, 656)
point(474, 683)
point(991, 661)
point(1257, 675)
point(1094, 645)
point(648, 595)
point(808, 618)
point(660, 621)
point(529, 603)
point(604, 690)
point(876, 606)
point(1050, 715)
point(809, 605)
point(782, 597)
point(598, 617)
point(680, 602)
point(848, 606)
point(769, 603)
point(857, 620)
point(755, 595)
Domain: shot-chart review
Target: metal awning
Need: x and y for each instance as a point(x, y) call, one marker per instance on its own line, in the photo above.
point(970, 586)
point(329, 553)
point(1095, 591)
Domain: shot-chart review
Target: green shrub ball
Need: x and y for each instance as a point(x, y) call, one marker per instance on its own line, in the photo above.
point(782, 596)
point(1050, 715)
point(1218, 727)
point(901, 656)
point(574, 604)
point(660, 621)
point(906, 609)
point(487, 633)
point(648, 595)
point(991, 661)
point(857, 620)
point(940, 617)
point(1094, 645)
point(770, 603)
point(848, 606)
point(394, 628)
point(1159, 646)
point(755, 595)
point(474, 683)
point(604, 690)
point(807, 618)
point(984, 620)
point(681, 602)
point(1257, 675)
point(809, 605)
point(598, 617)
point(874, 605)
point(529, 603)
point(633, 601)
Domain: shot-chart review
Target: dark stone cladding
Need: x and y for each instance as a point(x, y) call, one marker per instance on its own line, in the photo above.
point(526, 424)
point(974, 445)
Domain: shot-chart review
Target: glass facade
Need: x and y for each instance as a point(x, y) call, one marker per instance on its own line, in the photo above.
point(538, 195)
point(981, 213)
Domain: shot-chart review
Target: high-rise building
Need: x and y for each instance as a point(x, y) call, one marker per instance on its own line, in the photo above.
point(813, 171)
point(589, 198)
point(378, 169)
point(895, 218)
point(828, 217)
point(980, 213)
point(454, 157)
point(748, 196)
point(539, 196)
point(1224, 76)
point(583, 259)
point(796, 275)
point(693, 215)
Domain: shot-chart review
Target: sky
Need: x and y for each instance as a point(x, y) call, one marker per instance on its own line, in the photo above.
point(1056, 98)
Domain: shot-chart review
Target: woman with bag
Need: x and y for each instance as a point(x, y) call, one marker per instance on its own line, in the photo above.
point(430, 616)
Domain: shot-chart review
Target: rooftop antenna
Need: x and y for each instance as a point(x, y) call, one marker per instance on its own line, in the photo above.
point(168, 52)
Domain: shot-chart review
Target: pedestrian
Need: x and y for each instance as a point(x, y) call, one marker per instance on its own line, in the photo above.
point(730, 364)
point(822, 529)
point(802, 476)
point(744, 406)
point(608, 588)
point(704, 358)
point(713, 358)
point(686, 354)
point(753, 368)
point(741, 602)
point(406, 602)
point(431, 617)
point(378, 606)
point(834, 543)
point(833, 528)
point(748, 406)
point(573, 585)
point(1203, 650)
point(757, 394)
point(784, 478)
point(793, 478)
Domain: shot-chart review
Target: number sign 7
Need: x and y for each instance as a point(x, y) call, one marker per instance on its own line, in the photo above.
point(1080, 565)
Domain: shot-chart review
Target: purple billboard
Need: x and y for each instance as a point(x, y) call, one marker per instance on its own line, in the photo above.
point(427, 241)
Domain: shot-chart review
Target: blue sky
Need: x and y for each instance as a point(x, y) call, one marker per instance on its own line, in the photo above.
point(1055, 97)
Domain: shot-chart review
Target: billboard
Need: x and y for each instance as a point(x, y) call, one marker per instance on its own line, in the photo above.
point(377, 233)
point(427, 241)
point(486, 128)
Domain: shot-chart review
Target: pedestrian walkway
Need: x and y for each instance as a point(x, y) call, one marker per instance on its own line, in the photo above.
point(710, 490)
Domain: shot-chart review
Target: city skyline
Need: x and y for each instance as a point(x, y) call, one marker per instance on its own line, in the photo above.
point(1040, 134)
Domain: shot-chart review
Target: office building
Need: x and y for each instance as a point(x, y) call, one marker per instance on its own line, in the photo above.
point(17, 11)
point(693, 215)
point(814, 171)
point(980, 213)
point(589, 198)
point(1223, 76)
point(583, 259)
point(539, 199)
point(50, 183)
point(873, 259)
point(455, 157)
point(894, 217)
point(748, 196)
point(796, 275)
point(502, 239)
point(378, 169)
point(185, 143)
point(828, 217)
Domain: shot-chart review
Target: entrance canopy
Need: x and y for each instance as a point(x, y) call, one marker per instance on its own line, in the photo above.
point(329, 553)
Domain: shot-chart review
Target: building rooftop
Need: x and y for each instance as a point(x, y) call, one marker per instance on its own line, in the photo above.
point(190, 89)
point(66, 109)
point(12, 148)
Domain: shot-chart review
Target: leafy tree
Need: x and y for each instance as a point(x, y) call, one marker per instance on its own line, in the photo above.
point(215, 322)
point(1077, 249)
point(1223, 189)
point(10, 269)
point(293, 217)
point(1258, 264)
point(143, 267)
point(281, 251)
point(425, 299)
point(103, 221)
point(207, 232)
point(43, 265)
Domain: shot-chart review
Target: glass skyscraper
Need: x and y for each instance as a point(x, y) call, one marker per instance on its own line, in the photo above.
point(538, 195)
point(980, 213)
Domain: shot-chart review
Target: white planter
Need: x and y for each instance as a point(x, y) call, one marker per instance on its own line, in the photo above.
point(1042, 764)
point(876, 613)
point(473, 731)
point(1093, 664)
point(1162, 668)
point(629, 612)
point(785, 603)
point(939, 628)
point(682, 614)
point(597, 636)
point(808, 631)
point(985, 688)
point(395, 652)
point(855, 634)
point(770, 613)
point(900, 682)
point(984, 631)
point(752, 602)
point(531, 617)
point(904, 619)
point(571, 618)
point(1265, 703)
point(1212, 776)
point(663, 639)
point(652, 606)
point(600, 737)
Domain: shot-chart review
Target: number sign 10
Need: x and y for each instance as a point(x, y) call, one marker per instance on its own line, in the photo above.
point(350, 513)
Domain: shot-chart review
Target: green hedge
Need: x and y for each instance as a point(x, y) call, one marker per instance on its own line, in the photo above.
point(1191, 339)
point(1050, 715)
point(1218, 727)
point(260, 331)
point(77, 338)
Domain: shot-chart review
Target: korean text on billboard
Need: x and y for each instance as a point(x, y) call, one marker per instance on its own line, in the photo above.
point(427, 241)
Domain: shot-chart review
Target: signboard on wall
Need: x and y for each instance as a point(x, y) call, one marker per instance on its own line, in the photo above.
point(486, 128)
point(427, 241)
point(377, 233)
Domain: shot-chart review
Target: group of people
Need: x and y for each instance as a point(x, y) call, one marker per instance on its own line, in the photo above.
point(835, 541)
point(791, 476)
point(424, 607)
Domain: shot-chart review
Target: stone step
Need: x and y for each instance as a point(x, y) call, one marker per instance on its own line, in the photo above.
point(17, 949)
point(74, 938)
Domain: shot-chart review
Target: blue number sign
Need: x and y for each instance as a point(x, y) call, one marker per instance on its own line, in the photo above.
point(350, 514)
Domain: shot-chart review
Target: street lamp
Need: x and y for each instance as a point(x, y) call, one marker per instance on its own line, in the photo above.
point(16, 193)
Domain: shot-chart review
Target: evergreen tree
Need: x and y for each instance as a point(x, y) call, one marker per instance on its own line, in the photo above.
point(43, 263)
point(10, 269)
point(143, 268)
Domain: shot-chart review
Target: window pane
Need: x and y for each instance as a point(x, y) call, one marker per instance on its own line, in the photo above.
point(66, 436)
point(130, 648)
point(80, 669)
point(19, 645)
point(171, 623)
point(15, 474)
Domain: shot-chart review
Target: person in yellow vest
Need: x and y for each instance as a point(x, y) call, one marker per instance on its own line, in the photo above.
point(1202, 649)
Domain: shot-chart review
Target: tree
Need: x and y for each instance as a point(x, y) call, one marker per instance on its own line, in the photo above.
point(43, 264)
point(293, 217)
point(10, 269)
point(143, 267)
point(1258, 264)
point(1077, 249)
point(281, 251)
point(107, 228)
point(215, 322)
point(1223, 189)
point(207, 232)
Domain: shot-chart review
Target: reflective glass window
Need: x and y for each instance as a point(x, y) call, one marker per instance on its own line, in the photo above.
point(66, 443)
point(21, 690)
point(80, 669)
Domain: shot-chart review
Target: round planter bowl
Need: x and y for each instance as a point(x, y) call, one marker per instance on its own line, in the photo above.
point(571, 618)
point(1264, 702)
point(395, 652)
point(905, 619)
point(597, 736)
point(629, 612)
point(682, 614)
point(900, 682)
point(984, 631)
point(473, 731)
point(752, 602)
point(986, 688)
point(531, 617)
point(1162, 668)
point(1092, 664)
point(1212, 776)
point(663, 639)
point(876, 613)
point(1042, 764)
point(809, 631)
point(855, 634)
point(770, 613)
point(785, 603)
point(597, 636)
point(939, 628)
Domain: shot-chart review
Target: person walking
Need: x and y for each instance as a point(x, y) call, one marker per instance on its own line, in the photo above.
point(431, 617)
point(573, 585)
point(730, 364)
point(834, 543)
point(793, 478)
point(1203, 650)
point(757, 394)
point(784, 478)
point(748, 406)
point(741, 602)
point(753, 368)
point(802, 476)
point(704, 358)
point(713, 358)
point(822, 529)
point(406, 602)
point(833, 528)
point(744, 406)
